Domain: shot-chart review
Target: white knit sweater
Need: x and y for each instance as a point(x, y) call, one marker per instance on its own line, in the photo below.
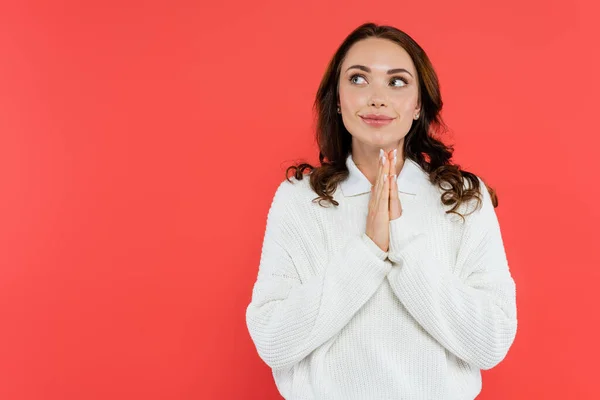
point(335, 317)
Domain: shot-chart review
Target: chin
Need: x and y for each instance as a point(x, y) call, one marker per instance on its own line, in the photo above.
point(381, 137)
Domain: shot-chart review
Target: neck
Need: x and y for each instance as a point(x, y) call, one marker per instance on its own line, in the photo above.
point(366, 159)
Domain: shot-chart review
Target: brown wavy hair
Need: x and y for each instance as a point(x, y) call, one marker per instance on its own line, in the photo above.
point(420, 143)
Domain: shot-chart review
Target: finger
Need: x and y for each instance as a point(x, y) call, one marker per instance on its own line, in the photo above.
point(395, 204)
point(380, 170)
point(375, 188)
point(391, 168)
point(392, 162)
point(379, 181)
point(385, 190)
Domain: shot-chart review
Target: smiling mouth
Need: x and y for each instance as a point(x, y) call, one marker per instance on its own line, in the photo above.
point(375, 116)
point(377, 121)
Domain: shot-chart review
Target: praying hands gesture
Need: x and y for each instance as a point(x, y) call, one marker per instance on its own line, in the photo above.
point(384, 204)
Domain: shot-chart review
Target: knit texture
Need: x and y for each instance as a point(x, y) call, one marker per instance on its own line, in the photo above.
point(336, 317)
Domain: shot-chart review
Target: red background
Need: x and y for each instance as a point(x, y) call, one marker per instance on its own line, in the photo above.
point(141, 143)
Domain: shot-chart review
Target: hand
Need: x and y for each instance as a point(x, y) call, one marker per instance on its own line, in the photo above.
point(378, 218)
point(384, 204)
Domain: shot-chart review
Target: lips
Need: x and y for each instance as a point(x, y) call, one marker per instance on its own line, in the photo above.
point(376, 120)
point(376, 117)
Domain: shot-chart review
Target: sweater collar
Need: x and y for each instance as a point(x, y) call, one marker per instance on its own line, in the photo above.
point(357, 183)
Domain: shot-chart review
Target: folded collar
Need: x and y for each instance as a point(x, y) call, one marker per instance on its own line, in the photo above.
point(409, 179)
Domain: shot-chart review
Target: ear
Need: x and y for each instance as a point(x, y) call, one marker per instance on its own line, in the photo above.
point(418, 106)
point(418, 110)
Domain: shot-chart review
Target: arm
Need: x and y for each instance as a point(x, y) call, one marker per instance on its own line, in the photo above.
point(287, 319)
point(473, 315)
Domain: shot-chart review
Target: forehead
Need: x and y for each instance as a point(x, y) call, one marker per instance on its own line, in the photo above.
point(378, 54)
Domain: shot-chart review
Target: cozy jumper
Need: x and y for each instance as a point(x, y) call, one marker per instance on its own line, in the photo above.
point(336, 317)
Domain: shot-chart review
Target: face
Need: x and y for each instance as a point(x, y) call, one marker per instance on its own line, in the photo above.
point(378, 77)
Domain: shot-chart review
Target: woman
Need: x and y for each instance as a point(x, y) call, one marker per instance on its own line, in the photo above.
point(395, 283)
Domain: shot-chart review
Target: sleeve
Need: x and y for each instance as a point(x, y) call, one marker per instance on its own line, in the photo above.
point(472, 314)
point(287, 319)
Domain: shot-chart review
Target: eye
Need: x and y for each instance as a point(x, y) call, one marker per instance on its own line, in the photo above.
point(397, 78)
point(355, 76)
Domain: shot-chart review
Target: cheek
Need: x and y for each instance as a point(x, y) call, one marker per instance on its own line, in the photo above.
point(345, 97)
point(351, 98)
point(405, 104)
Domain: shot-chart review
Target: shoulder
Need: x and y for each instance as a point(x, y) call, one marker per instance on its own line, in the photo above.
point(292, 212)
point(476, 199)
point(292, 194)
point(294, 190)
point(482, 191)
point(481, 213)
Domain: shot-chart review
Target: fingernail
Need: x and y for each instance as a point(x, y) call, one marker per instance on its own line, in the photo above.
point(381, 153)
point(395, 159)
point(393, 177)
point(384, 177)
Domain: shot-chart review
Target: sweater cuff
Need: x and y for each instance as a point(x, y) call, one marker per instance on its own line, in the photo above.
point(382, 255)
point(401, 235)
point(416, 261)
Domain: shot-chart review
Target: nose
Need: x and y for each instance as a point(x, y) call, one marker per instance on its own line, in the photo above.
point(377, 103)
point(377, 100)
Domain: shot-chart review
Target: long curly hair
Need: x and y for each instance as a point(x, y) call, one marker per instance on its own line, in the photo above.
point(420, 143)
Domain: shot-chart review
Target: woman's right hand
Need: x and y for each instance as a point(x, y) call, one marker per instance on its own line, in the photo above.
point(378, 219)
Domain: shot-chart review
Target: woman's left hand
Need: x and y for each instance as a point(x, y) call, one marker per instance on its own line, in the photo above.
point(395, 206)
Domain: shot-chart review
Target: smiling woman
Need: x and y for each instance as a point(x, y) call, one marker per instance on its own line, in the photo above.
point(381, 72)
point(391, 294)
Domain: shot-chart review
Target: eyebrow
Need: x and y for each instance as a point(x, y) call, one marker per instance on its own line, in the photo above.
point(367, 69)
